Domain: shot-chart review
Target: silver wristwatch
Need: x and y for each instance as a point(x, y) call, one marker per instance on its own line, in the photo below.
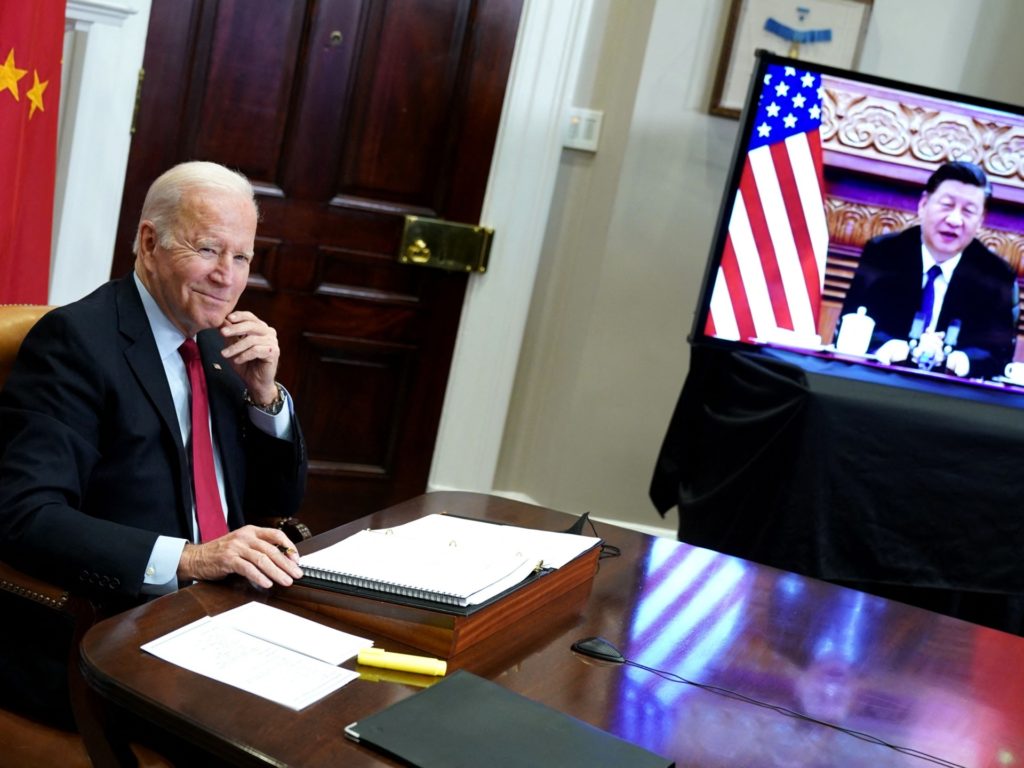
point(273, 408)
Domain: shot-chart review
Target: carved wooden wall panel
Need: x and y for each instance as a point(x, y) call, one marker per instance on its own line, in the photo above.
point(914, 132)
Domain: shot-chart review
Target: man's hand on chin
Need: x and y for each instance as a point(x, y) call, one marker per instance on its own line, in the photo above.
point(253, 351)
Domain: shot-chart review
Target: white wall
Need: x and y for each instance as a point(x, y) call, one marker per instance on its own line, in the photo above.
point(102, 62)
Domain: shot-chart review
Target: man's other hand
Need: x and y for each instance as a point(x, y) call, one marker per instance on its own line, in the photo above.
point(264, 556)
point(958, 363)
point(893, 351)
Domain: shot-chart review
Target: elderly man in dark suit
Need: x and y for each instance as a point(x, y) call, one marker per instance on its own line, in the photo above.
point(131, 464)
point(939, 273)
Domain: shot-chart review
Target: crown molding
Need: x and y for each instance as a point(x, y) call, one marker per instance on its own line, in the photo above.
point(80, 14)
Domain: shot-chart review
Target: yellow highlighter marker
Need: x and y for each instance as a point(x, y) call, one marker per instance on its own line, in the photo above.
point(404, 662)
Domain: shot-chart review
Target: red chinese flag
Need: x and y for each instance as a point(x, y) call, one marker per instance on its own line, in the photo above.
point(31, 43)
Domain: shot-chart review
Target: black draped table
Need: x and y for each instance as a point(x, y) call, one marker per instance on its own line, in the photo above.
point(899, 483)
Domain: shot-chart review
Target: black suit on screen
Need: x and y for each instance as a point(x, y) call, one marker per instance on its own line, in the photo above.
point(982, 294)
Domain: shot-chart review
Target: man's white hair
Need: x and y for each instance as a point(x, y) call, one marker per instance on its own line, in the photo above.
point(163, 200)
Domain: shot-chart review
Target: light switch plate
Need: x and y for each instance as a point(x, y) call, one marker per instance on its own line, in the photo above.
point(583, 129)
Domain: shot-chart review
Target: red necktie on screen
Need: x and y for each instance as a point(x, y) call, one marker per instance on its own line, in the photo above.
point(209, 512)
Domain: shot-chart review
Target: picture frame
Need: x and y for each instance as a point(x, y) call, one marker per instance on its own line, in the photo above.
point(827, 32)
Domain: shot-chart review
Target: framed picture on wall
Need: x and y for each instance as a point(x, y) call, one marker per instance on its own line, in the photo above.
point(827, 32)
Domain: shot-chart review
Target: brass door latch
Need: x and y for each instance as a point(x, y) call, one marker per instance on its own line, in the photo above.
point(445, 245)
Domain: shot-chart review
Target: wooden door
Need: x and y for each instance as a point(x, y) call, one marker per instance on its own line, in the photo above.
point(347, 115)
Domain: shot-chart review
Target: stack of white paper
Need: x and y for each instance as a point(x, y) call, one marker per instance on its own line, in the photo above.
point(266, 651)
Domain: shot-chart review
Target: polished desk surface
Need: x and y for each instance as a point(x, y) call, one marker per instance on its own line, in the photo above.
point(943, 687)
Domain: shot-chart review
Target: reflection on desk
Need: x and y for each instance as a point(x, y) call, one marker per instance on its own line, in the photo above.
point(902, 675)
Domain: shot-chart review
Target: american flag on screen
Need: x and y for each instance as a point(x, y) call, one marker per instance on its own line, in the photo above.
point(770, 278)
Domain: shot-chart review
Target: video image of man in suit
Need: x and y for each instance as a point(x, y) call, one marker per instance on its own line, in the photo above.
point(939, 298)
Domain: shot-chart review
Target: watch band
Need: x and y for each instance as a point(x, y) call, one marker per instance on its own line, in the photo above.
point(272, 408)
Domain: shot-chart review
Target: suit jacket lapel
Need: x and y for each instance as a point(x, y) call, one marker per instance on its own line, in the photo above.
point(964, 277)
point(141, 354)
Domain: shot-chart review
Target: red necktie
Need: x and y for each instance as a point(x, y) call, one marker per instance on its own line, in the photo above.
point(209, 512)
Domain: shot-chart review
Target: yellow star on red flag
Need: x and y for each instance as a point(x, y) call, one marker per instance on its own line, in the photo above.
point(10, 75)
point(35, 94)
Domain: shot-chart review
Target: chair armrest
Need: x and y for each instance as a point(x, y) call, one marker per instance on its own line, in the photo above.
point(46, 594)
point(102, 738)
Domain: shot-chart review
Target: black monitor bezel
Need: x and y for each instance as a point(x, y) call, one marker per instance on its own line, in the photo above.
point(764, 59)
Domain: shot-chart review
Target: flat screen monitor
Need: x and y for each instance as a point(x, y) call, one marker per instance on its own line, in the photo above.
point(873, 224)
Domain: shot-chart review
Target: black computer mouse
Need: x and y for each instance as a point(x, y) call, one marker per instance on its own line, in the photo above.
point(598, 648)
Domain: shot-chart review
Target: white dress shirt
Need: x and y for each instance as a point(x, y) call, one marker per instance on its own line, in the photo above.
point(162, 569)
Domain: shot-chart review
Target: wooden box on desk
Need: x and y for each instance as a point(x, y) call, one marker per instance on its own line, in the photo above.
point(439, 632)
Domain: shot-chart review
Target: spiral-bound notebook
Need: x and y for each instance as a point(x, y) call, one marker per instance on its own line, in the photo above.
point(443, 559)
point(466, 721)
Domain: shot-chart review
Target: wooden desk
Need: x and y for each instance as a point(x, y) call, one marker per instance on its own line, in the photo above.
point(903, 675)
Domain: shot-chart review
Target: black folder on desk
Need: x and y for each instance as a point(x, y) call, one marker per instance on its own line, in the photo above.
point(465, 720)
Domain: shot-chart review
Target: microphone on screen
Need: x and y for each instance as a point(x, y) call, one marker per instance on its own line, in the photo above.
point(952, 337)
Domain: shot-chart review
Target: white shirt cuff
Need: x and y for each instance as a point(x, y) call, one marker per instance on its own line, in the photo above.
point(279, 426)
point(161, 576)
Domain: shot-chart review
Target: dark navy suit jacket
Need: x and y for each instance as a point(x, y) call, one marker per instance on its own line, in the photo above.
point(93, 467)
